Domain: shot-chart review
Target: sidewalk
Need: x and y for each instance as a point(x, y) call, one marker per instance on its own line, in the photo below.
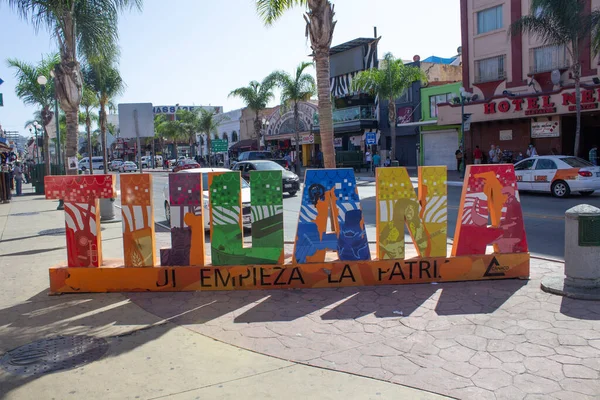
point(472, 340)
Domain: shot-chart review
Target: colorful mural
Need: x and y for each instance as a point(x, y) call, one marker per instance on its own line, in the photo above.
point(82, 214)
point(425, 216)
point(330, 195)
point(138, 220)
point(226, 230)
point(490, 212)
point(187, 221)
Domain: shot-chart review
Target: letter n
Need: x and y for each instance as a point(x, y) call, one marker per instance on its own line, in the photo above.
point(425, 217)
point(330, 195)
point(187, 221)
point(138, 220)
point(229, 203)
point(489, 212)
point(82, 215)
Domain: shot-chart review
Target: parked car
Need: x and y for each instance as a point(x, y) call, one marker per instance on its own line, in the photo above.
point(559, 175)
point(255, 155)
point(290, 183)
point(246, 208)
point(115, 164)
point(128, 166)
point(146, 161)
point(185, 164)
point(97, 163)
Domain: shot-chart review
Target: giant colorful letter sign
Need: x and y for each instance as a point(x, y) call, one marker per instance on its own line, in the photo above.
point(325, 192)
point(138, 220)
point(425, 218)
point(80, 194)
point(490, 195)
point(227, 246)
point(489, 240)
point(187, 221)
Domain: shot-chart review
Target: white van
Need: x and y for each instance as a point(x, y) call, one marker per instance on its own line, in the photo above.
point(97, 163)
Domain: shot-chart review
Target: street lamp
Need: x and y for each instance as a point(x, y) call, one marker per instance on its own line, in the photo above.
point(37, 126)
point(464, 97)
point(265, 126)
point(43, 81)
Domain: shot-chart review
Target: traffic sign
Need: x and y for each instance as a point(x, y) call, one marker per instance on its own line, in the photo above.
point(218, 145)
point(371, 138)
point(467, 122)
point(1, 81)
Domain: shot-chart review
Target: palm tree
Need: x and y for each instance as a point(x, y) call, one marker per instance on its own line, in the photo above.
point(31, 92)
point(563, 22)
point(389, 82)
point(88, 103)
point(319, 28)
point(81, 27)
point(256, 96)
point(104, 79)
point(208, 124)
point(300, 87)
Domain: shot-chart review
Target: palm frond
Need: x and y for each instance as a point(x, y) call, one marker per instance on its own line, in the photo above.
point(271, 10)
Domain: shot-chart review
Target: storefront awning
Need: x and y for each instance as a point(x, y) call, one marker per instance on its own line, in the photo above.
point(420, 123)
point(246, 144)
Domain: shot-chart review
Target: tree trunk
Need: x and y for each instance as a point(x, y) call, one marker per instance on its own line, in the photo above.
point(296, 130)
point(70, 149)
point(320, 27)
point(88, 128)
point(103, 135)
point(46, 119)
point(257, 128)
point(576, 77)
point(392, 121)
point(208, 149)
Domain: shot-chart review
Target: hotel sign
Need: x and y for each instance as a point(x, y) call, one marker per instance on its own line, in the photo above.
point(544, 104)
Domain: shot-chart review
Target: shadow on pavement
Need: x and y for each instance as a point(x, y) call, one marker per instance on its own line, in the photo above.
point(580, 309)
point(481, 297)
point(31, 252)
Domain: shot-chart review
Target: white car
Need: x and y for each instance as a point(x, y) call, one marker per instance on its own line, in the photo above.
point(246, 210)
point(128, 166)
point(115, 164)
point(559, 175)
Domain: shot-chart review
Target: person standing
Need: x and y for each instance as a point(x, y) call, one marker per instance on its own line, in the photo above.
point(492, 154)
point(593, 156)
point(319, 159)
point(459, 157)
point(368, 159)
point(498, 156)
point(477, 155)
point(532, 151)
point(18, 174)
point(376, 161)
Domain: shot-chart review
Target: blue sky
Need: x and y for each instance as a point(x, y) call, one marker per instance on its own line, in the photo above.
point(192, 53)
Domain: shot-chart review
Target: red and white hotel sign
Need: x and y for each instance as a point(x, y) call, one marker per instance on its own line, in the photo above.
point(556, 103)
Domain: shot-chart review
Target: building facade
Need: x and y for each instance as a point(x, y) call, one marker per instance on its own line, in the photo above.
point(524, 90)
point(229, 126)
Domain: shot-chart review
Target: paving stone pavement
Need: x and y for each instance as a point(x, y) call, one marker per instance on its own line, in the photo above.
point(471, 340)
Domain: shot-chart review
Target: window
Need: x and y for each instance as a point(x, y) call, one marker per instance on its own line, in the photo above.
point(548, 58)
point(545, 164)
point(524, 165)
point(405, 97)
point(234, 136)
point(225, 136)
point(489, 20)
point(576, 162)
point(489, 69)
point(438, 99)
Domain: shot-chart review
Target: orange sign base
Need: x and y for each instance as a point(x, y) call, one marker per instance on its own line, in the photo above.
point(114, 277)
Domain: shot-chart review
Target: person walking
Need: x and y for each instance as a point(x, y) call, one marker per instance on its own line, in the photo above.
point(492, 155)
point(319, 159)
point(532, 151)
point(477, 155)
point(18, 174)
point(593, 156)
point(376, 161)
point(459, 157)
point(368, 159)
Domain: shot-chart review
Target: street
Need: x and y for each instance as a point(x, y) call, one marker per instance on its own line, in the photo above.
point(544, 215)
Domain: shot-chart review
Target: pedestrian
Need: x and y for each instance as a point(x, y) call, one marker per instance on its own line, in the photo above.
point(18, 174)
point(593, 156)
point(319, 159)
point(519, 157)
point(498, 155)
point(477, 155)
point(5, 193)
point(368, 159)
point(459, 157)
point(376, 161)
point(387, 162)
point(531, 151)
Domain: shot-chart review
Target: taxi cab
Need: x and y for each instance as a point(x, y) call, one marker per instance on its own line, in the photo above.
point(559, 175)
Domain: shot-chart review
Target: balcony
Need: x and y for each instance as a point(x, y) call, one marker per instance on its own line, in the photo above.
point(548, 58)
point(351, 119)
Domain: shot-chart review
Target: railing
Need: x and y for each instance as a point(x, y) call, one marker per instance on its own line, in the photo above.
point(350, 114)
point(490, 69)
point(548, 58)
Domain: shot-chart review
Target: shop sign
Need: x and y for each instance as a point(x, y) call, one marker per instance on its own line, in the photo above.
point(337, 142)
point(506, 135)
point(545, 104)
point(405, 115)
point(174, 109)
point(545, 129)
point(305, 139)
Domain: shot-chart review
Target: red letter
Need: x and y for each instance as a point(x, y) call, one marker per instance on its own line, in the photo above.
point(546, 102)
point(532, 103)
point(518, 104)
point(568, 98)
point(489, 108)
point(504, 106)
point(587, 96)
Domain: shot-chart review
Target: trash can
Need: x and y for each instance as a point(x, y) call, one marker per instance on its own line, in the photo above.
point(395, 163)
point(107, 209)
